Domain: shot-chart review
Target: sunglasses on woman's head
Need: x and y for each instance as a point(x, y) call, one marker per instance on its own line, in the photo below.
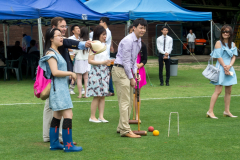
point(225, 31)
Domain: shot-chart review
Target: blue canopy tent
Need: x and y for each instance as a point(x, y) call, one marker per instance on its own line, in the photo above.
point(10, 10)
point(152, 10)
point(74, 11)
point(166, 10)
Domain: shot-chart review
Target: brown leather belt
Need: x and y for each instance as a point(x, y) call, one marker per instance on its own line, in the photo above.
point(118, 65)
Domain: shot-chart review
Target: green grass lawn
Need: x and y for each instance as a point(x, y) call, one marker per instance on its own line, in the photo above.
point(189, 94)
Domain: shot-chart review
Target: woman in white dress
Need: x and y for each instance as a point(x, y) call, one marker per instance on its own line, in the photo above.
point(81, 66)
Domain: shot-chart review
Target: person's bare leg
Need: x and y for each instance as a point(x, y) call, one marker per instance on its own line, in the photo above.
point(136, 106)
point(79, 84)
point(217, 92)
point(67, 113)
point(227, 99)
point(57, 114)
point(101, 107)
point(94, 105)
point(85, 77)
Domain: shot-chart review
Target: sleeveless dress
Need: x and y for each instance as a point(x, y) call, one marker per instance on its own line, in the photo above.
point(226, 54)
point(59, 98)
point(98, 81)
point(142, 73)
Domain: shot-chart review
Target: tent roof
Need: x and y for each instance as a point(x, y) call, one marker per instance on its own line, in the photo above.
point(73, 9)
point(9, 10)
point(152, 10)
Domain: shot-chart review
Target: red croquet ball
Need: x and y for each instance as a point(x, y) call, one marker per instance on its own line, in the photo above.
point(150, 129)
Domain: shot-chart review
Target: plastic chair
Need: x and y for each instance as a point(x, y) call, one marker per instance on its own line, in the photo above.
point(33, 63)
point(18, 69)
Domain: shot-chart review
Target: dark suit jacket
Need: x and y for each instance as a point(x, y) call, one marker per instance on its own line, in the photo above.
point(68, 43)
point(143, 54)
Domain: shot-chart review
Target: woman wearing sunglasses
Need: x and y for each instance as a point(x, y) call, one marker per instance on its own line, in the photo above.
point(225, 51)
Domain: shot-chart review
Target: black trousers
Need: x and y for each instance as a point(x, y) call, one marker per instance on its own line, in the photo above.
point(167, 66)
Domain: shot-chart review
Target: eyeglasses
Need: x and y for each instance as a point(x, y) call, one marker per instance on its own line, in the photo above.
point(60, 36)
point(225, 31)
point(64, 27)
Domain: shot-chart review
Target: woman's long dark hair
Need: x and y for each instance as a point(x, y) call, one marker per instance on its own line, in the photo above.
point(48, 36)
point(230, 39)
point(98, 31)
point(84, 34)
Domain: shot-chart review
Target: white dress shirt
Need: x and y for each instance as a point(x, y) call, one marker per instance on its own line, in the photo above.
point(168, 44)
point(191, 37)
point(108, 41)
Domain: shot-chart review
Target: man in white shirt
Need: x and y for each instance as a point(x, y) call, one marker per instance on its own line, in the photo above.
point(91, 34)
point(164, 46)
point(76, 36)
point(191, 41)
point(104, 21)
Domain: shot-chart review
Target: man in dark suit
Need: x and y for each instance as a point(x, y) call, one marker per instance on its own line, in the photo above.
point(60, 23)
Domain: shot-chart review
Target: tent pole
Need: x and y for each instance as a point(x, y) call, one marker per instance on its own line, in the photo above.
point(128, 24)
point(4, 36)
point(8, 35)
point(211, 35)
point(40, 37)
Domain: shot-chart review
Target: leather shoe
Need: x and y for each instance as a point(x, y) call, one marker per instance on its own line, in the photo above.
point(73, 143)
point(161, 84)
point(131, 135)
point(167, 84)
point(110, 94)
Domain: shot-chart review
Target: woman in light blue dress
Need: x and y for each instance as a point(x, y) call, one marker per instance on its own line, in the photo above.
point(225, 52)
point(60, 102)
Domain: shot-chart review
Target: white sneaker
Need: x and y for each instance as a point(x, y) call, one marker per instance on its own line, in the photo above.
point(104, 121)
point(71, 92)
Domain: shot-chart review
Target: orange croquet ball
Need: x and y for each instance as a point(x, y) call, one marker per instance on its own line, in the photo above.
point(155, 132)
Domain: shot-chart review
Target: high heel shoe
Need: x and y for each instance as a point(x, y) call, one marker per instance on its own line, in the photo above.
point(227, 115)
point(208, 115)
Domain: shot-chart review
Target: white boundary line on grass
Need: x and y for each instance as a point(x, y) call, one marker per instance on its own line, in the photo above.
point(147, 99)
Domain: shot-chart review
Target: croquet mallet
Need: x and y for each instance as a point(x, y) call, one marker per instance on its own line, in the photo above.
point(133, 121)
point(138, 132)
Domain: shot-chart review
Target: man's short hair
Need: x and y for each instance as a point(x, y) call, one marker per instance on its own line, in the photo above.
point(91, 29)
point(140, 21)
point(105, 19)
point(17, 43)
point(24, 35)
point(33, 42)
point(1, 43)
point(73, 27)
point(56, 20)
point(164, 27)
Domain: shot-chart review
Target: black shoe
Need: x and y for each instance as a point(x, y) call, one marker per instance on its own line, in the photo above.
point(161, 84)
point(167, 83)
